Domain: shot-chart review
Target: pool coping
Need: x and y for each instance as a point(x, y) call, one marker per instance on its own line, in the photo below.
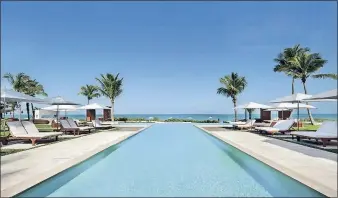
point(308, 181)
point(26, 184)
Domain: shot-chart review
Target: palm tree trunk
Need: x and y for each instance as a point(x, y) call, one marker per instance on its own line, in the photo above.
point(293, 86)
point(308, 110)
point(87, 100)
point(33, 112)
point(112, 111)
point(27, 108)
point(235, 104)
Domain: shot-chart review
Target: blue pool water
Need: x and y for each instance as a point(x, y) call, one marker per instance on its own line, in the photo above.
point(177, 160)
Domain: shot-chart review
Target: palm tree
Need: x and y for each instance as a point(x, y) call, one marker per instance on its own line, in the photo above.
point(111, 87)
point(21, 82)
point(323, 76)
point(305, 65)
point(18, 81)
point(284, 65)
point(90, 91)
point(233, 85)
point(34, 88)
point(250, 112)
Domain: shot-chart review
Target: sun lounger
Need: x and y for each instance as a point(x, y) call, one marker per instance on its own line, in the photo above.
point(247, 125)
point(97, 124)
point(65, 127)
point(31, 129)
point(109, 122)
point(18, 131)
point(72, 124)
point(281, 126)
point(326, 132)
point(263, 124)
point(233, 123)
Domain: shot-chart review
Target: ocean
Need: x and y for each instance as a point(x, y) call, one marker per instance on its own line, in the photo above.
point(221, 117)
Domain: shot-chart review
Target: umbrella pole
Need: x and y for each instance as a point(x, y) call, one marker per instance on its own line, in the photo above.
point(20, 112)
point(57, 117)
point(298, 115)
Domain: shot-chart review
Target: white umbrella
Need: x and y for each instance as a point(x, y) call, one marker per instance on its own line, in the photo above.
point(287, 106)
point(64, 108)
point(298, 98)
point(252, 105)
point(291, 106)
point(331, 95)
point(59, 101)
point(93, 106)
point(61, 107)
point(9, 95)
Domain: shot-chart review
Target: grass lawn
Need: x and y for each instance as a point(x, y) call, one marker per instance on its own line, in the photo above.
point(9, 151)
point(307, 127)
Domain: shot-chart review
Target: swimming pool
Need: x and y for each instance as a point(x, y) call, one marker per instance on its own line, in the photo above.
point(172, 159)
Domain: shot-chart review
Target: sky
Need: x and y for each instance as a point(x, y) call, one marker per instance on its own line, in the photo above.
point(170, 54)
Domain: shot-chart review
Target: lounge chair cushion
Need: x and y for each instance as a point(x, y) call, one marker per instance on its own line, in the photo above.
point(33, 131)
point(73, 125)
point(327, 130)
point(282, 125)
point(16, 128)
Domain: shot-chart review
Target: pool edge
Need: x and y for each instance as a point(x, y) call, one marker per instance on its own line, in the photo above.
point(285, 170)
point(26, 184)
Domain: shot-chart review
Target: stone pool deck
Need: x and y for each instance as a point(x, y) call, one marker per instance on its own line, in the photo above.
point(312, 167)
point(22, 170)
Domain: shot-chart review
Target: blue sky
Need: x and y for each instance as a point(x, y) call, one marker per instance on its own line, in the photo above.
point(171, 54)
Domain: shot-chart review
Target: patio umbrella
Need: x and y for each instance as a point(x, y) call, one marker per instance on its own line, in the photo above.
point(331, 95)
point(252, 105)
point(61, 108)
point(287, 106)
point(60, 101)
point(92, 106)
point(9, 95)
point(298, 98)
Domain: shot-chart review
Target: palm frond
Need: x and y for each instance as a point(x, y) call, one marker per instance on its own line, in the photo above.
point(323, 76)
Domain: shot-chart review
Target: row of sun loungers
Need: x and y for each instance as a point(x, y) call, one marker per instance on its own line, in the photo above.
point(26, 130)
point(326, 132)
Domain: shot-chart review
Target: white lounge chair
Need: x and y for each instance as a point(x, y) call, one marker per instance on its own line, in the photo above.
point(65, 127)
point(112, 123)
point(29, 132)
point(233, 123)
point(247, 125)
point(263, 124)
point(97, 124)
point(326, 132)
point(72, 124)
point(281, 126)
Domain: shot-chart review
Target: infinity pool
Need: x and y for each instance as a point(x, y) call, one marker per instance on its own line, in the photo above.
point(176, 160)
